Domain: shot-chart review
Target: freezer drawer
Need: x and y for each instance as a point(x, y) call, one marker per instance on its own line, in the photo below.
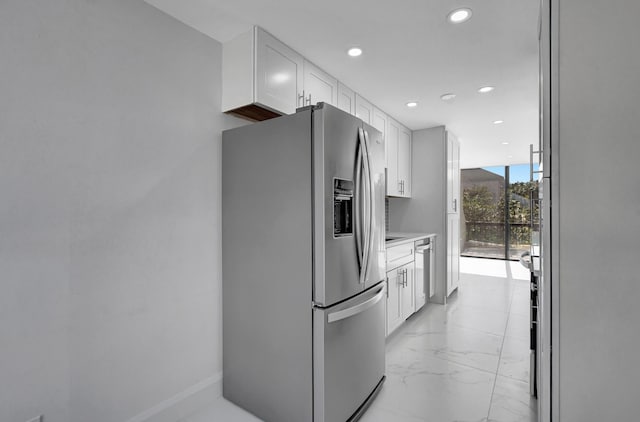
point(348, 354)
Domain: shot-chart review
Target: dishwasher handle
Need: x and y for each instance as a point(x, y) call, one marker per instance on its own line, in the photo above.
point(422, 248)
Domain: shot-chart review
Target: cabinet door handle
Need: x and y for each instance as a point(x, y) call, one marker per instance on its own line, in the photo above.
point(309, 100)
point(455, 205)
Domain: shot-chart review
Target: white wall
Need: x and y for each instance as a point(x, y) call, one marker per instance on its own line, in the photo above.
point(596, 153)
point(110, 131)
point(425, 212)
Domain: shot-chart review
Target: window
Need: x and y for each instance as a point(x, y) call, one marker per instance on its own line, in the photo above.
point(496, 211)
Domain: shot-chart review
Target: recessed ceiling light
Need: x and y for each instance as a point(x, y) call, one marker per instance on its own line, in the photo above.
point(505, 143)
point(412, 104)
point(485, 89)
point(447, 97)
point(354, 52)
point(459, 15)
point(498, 122)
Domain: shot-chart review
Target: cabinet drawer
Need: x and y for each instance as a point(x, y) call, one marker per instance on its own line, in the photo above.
point(399, 255)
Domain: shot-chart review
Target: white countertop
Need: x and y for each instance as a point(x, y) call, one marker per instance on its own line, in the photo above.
point(400, 237)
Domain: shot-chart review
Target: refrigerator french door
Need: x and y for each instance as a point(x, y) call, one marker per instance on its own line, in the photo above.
point(303, 266)
point(350, 153)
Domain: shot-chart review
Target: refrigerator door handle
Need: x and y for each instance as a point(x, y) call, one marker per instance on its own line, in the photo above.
point(363, 163)
point(357, 309)
point(358, 212)
point(370, 203)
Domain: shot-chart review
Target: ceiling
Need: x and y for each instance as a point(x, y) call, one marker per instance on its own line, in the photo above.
point(411, 53)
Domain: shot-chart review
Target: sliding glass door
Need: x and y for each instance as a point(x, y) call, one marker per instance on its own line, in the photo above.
point(497, 211)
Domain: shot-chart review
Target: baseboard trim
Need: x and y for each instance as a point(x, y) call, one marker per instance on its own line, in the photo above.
point(185, 403)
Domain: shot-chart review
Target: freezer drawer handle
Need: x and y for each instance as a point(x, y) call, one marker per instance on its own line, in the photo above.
point(354, 310)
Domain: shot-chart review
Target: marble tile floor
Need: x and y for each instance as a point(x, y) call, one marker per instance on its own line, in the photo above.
point(467, 361)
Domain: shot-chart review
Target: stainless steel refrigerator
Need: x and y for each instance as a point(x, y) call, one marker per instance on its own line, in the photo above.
point(303, 266)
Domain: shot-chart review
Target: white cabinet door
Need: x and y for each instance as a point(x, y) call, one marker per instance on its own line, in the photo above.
point(346, 99)
point(453, 252)
point(404, 161)
point(408, 291)
point(364, 109)
point(453, 174)
point(393, 133)
point(456, 175)
point(453, 212)
point(319, 86)
point(278, 74)
point(379, 121)
point(398, 160)
point(394, 307)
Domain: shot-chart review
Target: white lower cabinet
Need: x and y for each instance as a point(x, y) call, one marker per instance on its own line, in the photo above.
point(394, 296)
point(408, 290)
point(401, 296)
point(453, 252)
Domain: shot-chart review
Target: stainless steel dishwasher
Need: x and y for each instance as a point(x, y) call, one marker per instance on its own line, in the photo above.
point(424, 271)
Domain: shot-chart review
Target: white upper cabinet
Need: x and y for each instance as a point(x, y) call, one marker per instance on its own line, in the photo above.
point(379, 121)
point(364, 109)
point(398, 160)
point(393, 133)
point(404, 161)
point(262, 77)
point(346, 99)
point(319, 86)
point(278, 74)
point(453, 174)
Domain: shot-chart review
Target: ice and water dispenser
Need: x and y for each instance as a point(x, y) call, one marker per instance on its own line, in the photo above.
point(342, 207)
